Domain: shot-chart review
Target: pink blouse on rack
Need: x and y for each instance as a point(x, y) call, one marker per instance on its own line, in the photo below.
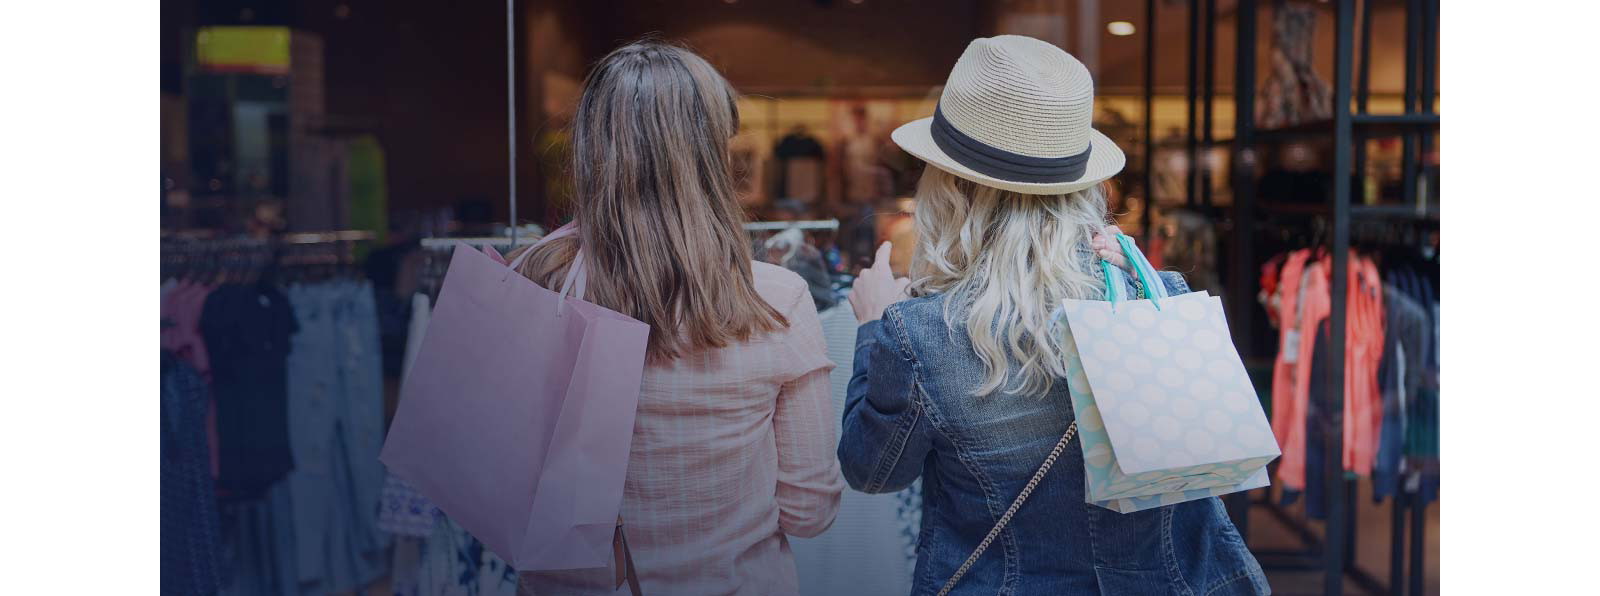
point(180, 334)
point(733, 450)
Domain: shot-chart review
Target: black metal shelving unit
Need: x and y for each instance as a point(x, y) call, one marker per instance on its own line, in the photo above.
point(1348, 129)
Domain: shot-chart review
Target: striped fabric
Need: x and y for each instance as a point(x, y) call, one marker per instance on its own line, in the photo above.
point(732, 450)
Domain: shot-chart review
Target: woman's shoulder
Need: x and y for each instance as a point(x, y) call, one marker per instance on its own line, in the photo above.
point(787, 292)
point(780, 287)
point(921, 310)
point(920, 322)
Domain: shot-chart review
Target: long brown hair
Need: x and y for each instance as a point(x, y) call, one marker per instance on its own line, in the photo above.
point(662, 234)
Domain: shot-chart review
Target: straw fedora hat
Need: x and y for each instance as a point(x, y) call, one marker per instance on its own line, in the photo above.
point(1015, 115)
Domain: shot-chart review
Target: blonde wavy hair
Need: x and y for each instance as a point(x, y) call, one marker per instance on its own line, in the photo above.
point(1006, 260)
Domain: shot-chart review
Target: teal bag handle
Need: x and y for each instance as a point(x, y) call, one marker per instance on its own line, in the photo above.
point(1116, 280)
point(1153, 287)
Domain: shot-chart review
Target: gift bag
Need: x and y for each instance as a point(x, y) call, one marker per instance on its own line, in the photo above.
point(1165, 410)
point(517, 417)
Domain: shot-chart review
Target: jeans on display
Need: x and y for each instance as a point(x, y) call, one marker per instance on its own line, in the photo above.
point(259, 543)
point(335, 424)
point(1421, 442)
point(1408, 338)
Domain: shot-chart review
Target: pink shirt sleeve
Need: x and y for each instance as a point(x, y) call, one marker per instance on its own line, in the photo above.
point(809, 482)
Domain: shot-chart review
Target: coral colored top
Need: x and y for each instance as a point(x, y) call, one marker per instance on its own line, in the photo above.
point(1304, 305)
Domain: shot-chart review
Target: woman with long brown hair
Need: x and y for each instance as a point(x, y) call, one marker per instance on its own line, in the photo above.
point(733, 445)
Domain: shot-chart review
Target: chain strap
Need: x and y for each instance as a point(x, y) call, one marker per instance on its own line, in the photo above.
point(1044, 468)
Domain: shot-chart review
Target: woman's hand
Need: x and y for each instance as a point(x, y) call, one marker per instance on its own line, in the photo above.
point(876, 288)
point(1105, 246)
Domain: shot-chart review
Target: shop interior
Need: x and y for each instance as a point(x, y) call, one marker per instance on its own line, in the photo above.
point(334, 151)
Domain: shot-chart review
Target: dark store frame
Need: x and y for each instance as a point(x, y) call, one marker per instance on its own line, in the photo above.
point(1334, 552)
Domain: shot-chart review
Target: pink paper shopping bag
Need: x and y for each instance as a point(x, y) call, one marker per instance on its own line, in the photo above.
point(516, 418)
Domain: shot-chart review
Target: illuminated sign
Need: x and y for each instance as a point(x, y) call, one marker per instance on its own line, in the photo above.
point(257, 50)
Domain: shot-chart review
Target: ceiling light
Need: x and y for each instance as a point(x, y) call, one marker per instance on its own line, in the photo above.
point(1120, 28)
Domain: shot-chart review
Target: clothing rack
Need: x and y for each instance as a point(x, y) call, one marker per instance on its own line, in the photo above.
point(178, 242)
point(811, 224)
point(329, 237)
point(450, 242)
point(1333, 552)
point(755, 226)
point(293, 249)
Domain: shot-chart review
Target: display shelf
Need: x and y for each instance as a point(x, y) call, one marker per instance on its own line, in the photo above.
point(1343, 137)
point(1424, 212)
point(1369, 126)
point(1380, 211)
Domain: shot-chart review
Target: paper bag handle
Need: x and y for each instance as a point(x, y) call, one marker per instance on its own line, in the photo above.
point(1116, 279)
point(576, 273)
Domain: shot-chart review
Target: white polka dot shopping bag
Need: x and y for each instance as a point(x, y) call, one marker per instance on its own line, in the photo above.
point(1165, 410)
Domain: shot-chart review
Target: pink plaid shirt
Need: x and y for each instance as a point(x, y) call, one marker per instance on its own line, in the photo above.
point(733, 449)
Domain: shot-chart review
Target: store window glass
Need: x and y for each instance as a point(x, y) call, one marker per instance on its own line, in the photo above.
point(326, 155)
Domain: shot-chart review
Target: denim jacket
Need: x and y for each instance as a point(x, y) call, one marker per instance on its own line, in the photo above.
point(910, 413)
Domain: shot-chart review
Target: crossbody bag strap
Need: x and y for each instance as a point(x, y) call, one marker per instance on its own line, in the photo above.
point(1044, 468)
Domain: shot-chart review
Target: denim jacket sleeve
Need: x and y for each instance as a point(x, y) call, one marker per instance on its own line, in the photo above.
point(886, 433)
point(1174, 282)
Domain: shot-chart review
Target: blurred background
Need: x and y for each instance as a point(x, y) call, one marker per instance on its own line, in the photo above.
point(316, 155)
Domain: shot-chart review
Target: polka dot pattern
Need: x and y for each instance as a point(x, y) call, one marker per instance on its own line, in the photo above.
point(1175, 417)
point(1258, 479)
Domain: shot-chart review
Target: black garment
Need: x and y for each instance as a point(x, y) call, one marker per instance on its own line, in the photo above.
point(1283, 186)
point(791, 146)
point(1316, 435)
point(858, 236)
point(797, 145)
point(394, 307)
point(190, 539)
point(247, 331)
point(1319, 421)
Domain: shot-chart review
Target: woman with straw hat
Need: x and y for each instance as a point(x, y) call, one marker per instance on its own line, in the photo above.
point(963, 386)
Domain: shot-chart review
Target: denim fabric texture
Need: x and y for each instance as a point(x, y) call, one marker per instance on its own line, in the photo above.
point(1407, 338)
point(910, 414)
point(258, 545)
point(335, 412)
